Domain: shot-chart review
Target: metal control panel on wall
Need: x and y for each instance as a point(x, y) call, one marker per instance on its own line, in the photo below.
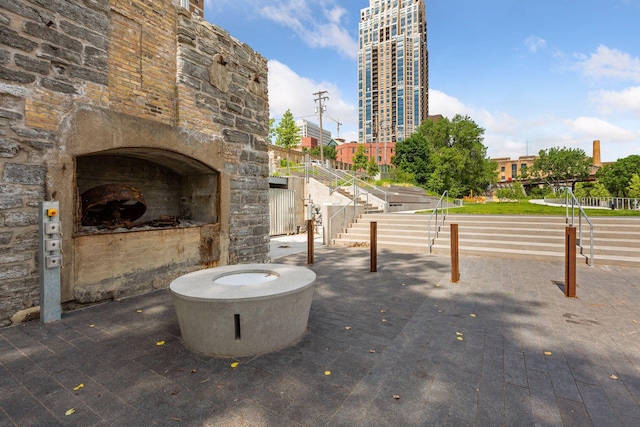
point(50, 261)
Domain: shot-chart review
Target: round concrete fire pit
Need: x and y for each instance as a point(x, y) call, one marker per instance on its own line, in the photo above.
point(243, 310)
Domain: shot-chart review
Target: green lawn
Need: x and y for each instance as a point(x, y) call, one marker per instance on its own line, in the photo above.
point(526, 208)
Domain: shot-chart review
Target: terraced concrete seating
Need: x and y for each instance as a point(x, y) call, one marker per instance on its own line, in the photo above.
point(616, 239)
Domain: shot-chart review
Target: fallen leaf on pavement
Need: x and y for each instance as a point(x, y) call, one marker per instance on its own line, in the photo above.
point(547, 353)
point(234, 365)
point(396, 396)
point(139, 311)
point(327, 373)
point(460, 339)
point(159, 343)
point(78, 387)
point(70, 412)
point(347, 327)
point(92, 326)
point(372, 351)
point(472, 315)
point(613, 377)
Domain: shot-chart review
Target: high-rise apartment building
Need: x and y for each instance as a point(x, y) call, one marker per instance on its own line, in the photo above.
point(393, 70)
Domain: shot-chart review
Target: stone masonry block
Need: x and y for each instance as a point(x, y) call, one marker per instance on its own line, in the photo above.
point(10, 196)
point(98, 40)
point(20, 219)
point(8, 114)
point(195, 71)
point(8, 149)
point(34, 65)
point(57, 86)
point(5, 56)
point(5, 237)
point(53, 36)
point(54, 52)
point(11, 38)
point(87, 17)
point(32, 133)
point(21, 9)
point(16, 76)
point(96, 58)
point(17, 173)
point(14, 272)
point(90, 75)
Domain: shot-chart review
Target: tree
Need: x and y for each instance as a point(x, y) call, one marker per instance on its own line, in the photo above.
point(372, 168)
point(328, 151)
point(581, 190)
point(413, 157)
point(287, 135)
point(447, 155)
point(557, 166)
point(616, 176)
point(633, 190)
point(272, 131)
point(599, 190)
point(360, 160)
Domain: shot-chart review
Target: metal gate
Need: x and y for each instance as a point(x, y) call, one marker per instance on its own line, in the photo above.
point(282, 210)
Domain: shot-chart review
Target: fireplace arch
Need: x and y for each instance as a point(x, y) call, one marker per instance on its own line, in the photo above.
point(173, 190)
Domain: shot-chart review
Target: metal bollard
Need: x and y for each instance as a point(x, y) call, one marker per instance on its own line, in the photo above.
point(310, 241)
point(373, 231)
point(455, 258)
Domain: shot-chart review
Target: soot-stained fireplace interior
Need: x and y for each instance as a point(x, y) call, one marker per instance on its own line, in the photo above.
point(133, 189)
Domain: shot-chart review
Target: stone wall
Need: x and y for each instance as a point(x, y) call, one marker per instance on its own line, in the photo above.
point(141, 78)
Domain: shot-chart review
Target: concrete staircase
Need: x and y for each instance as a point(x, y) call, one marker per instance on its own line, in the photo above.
point(616, 239)
point(369, 208)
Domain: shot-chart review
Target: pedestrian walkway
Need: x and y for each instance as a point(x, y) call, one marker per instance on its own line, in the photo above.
point(401, 347)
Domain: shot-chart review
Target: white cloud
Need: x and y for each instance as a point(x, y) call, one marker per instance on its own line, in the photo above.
point(317, 23)
point(535, 43)
point(595, 128)
point(610, 63)
point(626, 100)
point(507, 136)
point(448, 106)
point(288, 90)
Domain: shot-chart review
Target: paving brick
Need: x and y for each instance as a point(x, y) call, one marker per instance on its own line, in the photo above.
point(128, 380)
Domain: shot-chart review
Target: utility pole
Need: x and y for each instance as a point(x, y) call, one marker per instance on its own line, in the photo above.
point(320, 97)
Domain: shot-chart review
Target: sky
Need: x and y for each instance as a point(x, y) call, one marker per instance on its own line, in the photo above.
point(534, 74)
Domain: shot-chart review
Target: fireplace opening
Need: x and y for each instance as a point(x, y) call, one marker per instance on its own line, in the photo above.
point(133, 189)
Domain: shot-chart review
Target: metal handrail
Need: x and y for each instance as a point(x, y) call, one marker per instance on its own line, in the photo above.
point(439, 207)
point(581, 213)
point(338, 178)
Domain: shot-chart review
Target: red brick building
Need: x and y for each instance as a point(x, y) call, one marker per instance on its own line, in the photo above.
point(345, 152)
